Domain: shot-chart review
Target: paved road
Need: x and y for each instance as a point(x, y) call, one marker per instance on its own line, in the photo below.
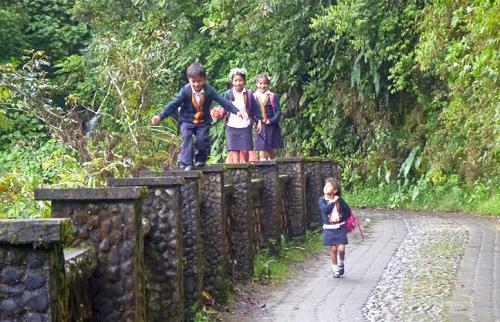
point(411, 267)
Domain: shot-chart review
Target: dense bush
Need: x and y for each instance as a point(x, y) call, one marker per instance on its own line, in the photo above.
point(404, 94)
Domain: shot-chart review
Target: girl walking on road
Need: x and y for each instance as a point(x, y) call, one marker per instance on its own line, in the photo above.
point(334, 212)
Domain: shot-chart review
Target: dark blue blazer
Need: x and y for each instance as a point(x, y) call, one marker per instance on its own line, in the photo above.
point(187, 110)
point(252, 108)
point(273, 114)
point(325, 209)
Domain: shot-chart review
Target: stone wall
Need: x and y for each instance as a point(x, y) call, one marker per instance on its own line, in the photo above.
point(110, 221)
point(257, 212)
point(32, 270)
point(145, 248)
point(79, 266)
point(242, 251)
point(163, 249)
point(295, 193)
point(192, 257)
point(284, 182)
point(214, 234)
point(271, 219)
point(314, 190)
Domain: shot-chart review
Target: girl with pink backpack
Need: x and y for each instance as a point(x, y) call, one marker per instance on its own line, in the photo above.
point(336, 216)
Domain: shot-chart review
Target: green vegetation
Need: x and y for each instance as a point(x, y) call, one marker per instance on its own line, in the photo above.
point(276, 268)
point(205, 314)
point(405, 95)
point(479, 198)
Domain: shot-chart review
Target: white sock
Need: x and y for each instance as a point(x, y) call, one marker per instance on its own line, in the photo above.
point(335, 268)
point(341, 262)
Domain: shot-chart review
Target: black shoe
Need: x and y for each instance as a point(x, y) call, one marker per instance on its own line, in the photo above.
point(336, 275)
point(341, 270)
point(188, 168)
point(199, 164)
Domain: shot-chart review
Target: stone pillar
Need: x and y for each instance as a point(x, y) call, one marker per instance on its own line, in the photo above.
point(336, 170)
point(213, 227)
point(191, 232)
point(271, 205)
point(162, 246)
point(284, 182)
point(229, 200)
point(110, 221)
point(257, 212)
point(296, 194)
point(242, 252)
point(79, 266)
point(314, 190)
point(327, 167)
point(32, 270)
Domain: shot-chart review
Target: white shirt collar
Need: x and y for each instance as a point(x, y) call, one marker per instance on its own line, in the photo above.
point(195, 92)
point(243, 91)
point(262, 94)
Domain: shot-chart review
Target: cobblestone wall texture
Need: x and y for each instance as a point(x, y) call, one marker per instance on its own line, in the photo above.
point(213, 227)
point(271, 205)
point(242, 250)
point(114, 229)
point(295, 195)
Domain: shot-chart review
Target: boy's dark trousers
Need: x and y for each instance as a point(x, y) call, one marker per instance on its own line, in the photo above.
point(201, 148)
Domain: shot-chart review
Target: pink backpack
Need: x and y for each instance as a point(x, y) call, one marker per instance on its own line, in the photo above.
point(351, 223)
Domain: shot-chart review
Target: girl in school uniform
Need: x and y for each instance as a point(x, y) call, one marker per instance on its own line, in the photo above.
point(334, 212)
point(239, 130)
point(269, 139)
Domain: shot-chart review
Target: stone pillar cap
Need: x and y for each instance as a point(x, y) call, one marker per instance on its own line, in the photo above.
point(292, 159)
point(329, 160)
point(220, 167)
point(34, 231)
point(120, 193)
point(313, 159)
point(265, 163)
point(172, 173)
point(146, 181)
point(238, 165)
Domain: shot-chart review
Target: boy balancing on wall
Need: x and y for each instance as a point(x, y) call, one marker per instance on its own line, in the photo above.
point(194, 100)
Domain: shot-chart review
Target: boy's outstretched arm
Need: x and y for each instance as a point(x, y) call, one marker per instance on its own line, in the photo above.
point(170, 109)
point(173, 105)
point(277, 111)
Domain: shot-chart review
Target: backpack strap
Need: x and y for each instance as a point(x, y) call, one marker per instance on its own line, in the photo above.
point(357, 223)
point(230, 94)
point(248, 100)
point(359, 228)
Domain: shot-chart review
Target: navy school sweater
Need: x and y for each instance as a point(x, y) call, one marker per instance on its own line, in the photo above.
point(325, 209)
point(188, 112)
point(273, 113)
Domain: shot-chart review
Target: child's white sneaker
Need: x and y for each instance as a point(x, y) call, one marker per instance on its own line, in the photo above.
point(336, 274)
